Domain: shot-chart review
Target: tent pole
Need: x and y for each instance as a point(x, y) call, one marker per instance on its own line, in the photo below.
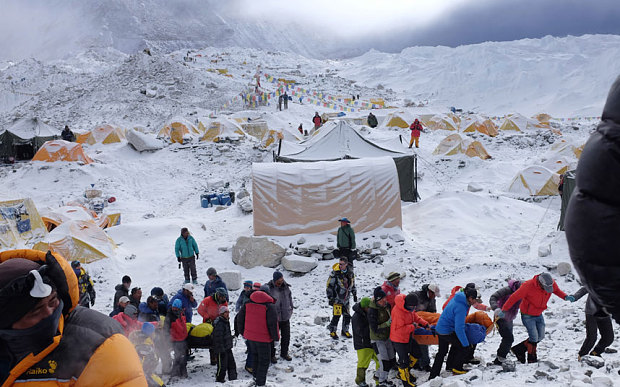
point(279, 146)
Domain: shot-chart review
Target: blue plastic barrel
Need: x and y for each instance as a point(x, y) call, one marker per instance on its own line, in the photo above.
point(204, 202)
point(224, 199)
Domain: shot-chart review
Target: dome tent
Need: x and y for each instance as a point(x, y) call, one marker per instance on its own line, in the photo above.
point(24, 137)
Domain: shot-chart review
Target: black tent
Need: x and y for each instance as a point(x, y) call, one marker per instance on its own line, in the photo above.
point(344, 142)
point(24, 137)
point(567, 190)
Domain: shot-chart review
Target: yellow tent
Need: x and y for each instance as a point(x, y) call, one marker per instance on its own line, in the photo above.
point(443, 122)
point(535, 180)
point(394, 120)
point(20, 224)
point(449, 146)
point(519, 123)
point(79, 240)
point(558, 164)
point(542, 117)
point(60, 150)
point(178, 131)
point(104, 134)
point(54, 217)
point(475, 149)
point(221, 130)
point(567, 149)
point(479, 124)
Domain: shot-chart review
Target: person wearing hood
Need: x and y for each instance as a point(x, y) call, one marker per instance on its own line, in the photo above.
point(186, 251)
point(340, 286)
point(67, 134)
point(162, 300)
point(244, 296)
point(451, 331)
point(592, 221)
point(379, 321)
point(222, 347)
point(257, 322)
point(209, 309)
point(416, 129)
point(188, 303)
point(214, 282)
point(46, 338)
point(390, 287)
point(595, 320)
point(121, 289)
point(505, 324)
point(86, 285)
point(345, 239)
point(534, 295)
point(404, 321)
point(317, 121)
point(372, 120)
point(361, 340)
point(280, 290)
point(426, 303)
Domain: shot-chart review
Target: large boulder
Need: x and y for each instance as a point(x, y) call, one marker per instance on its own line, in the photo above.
point(232, 279)
point(299, 264)
point(250, 252)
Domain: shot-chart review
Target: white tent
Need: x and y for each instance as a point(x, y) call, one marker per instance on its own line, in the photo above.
point(296, 198)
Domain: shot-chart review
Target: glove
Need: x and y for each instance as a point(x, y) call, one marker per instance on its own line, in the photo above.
point(569, 298)
point(500, 314)
point(196, 256)
point(179, 265)
point(331, 302)
point(92, 302)
point(355, 298)
point(433, 331)
point(179, 259)
point(427, 326)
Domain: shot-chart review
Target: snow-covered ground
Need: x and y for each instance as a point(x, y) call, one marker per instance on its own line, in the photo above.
point(452, 236)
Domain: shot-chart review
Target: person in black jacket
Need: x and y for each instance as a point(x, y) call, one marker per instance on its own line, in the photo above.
point(122, 289)
point(426, 303)
point(67, 134)
point(594, 322)
point(361, 340)
point(222, 347)
point(593, 215)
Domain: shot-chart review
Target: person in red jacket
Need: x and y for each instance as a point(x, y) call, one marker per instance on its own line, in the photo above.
point(317, 121)
point(534, 295)
point(209, 309)
point(404, 321)
point(175, 324)
point(390, 287)
point(258, 323)
point(416, 128)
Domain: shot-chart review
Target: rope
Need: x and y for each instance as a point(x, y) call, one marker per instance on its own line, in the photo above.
point(541, 219)
point(439, 170)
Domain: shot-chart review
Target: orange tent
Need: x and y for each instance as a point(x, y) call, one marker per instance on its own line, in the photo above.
point(103, 134)
point(60, 150)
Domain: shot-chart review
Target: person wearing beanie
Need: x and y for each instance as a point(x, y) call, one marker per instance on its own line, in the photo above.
point(256, 286)
point(505, 324)
point(222, 346)
point(214, 282)
point(345, 240)
point(40, 322)
point(176, 326)
point(162, 300)
point(404, 322)
point(243, 299)
point(534, 295)
point(379, 322)
point(280, 290)
point(188, 302)
point(86, 285)
point(390, 287)
point(340, 287)
point(478, 305)
point(209, 309)
point(121, 290)
point(427, 296)
point(451, 332)
point(361, 340)
point(143, 340)
point(186, 251)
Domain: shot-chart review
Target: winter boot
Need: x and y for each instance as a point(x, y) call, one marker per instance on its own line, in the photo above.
point(346, 334)
point(412, 361)
point(360, 376)
point(333, 335)
point(405, 376)
point(458, 372)
point(531, 352)
point(594, 353)
point(519, 351)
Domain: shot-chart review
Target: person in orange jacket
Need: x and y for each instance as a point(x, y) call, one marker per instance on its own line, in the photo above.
point(416, 129)
point(404, 321)
point(534, 295)
point(41, 322)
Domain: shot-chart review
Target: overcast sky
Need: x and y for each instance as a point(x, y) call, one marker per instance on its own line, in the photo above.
point(391, 25)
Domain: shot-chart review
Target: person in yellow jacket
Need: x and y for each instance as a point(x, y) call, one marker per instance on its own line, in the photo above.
point(45, 338)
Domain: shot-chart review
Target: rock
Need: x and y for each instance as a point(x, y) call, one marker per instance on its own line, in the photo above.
point(250, 252)
point(325, 360)
point(578, 383)
point(453, 383)
point(564, 268)
point(328, 256)
point(474, 374)
point(544, 250)
point(330, 239)
point(593, 361)
point(316, 256)
point(578, 376)
point(474, 187)
point(302, 250)
point(601, 381)
point(509, 366)
point(223, 248)
point(313, 247)
point(321, 320)
point(437, 382)
point(387, 269)
point(540, 374)
point(242, 194)
point(245, 204)
point(397, 238)
point(232, 278)
point(382, 252)
point(376, 245)
point(301, 241)
point(299, 264)
point(383, 236)
point(221, 208)
point(550, 364)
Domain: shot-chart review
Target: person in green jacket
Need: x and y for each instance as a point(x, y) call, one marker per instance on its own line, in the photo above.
point(346, 239)
point(379, 322)
point(187, 252)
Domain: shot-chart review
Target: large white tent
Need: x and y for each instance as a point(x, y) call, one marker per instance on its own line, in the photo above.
point(299, 198)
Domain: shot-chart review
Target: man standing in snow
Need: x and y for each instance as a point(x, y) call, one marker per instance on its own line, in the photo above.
point(426, 303)
point(280, 98)
point(345, 240)
point(416, 128)
point(214, 282)
point(280, 290)
point(186, 251)
point(372, 120)
point(285, 99)
point(122, 289)
point(340, 286)
point(67, 134)
point(316, 120)
point(534, 295)
point(379, 322)
point(504, 325)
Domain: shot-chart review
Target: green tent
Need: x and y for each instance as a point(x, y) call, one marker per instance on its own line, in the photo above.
point(567, 191)
point(24, 137)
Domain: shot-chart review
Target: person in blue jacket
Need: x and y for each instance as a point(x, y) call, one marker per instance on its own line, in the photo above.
point(186, 295)
point(186, 251)
point(214, 282)
point(451, 331)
